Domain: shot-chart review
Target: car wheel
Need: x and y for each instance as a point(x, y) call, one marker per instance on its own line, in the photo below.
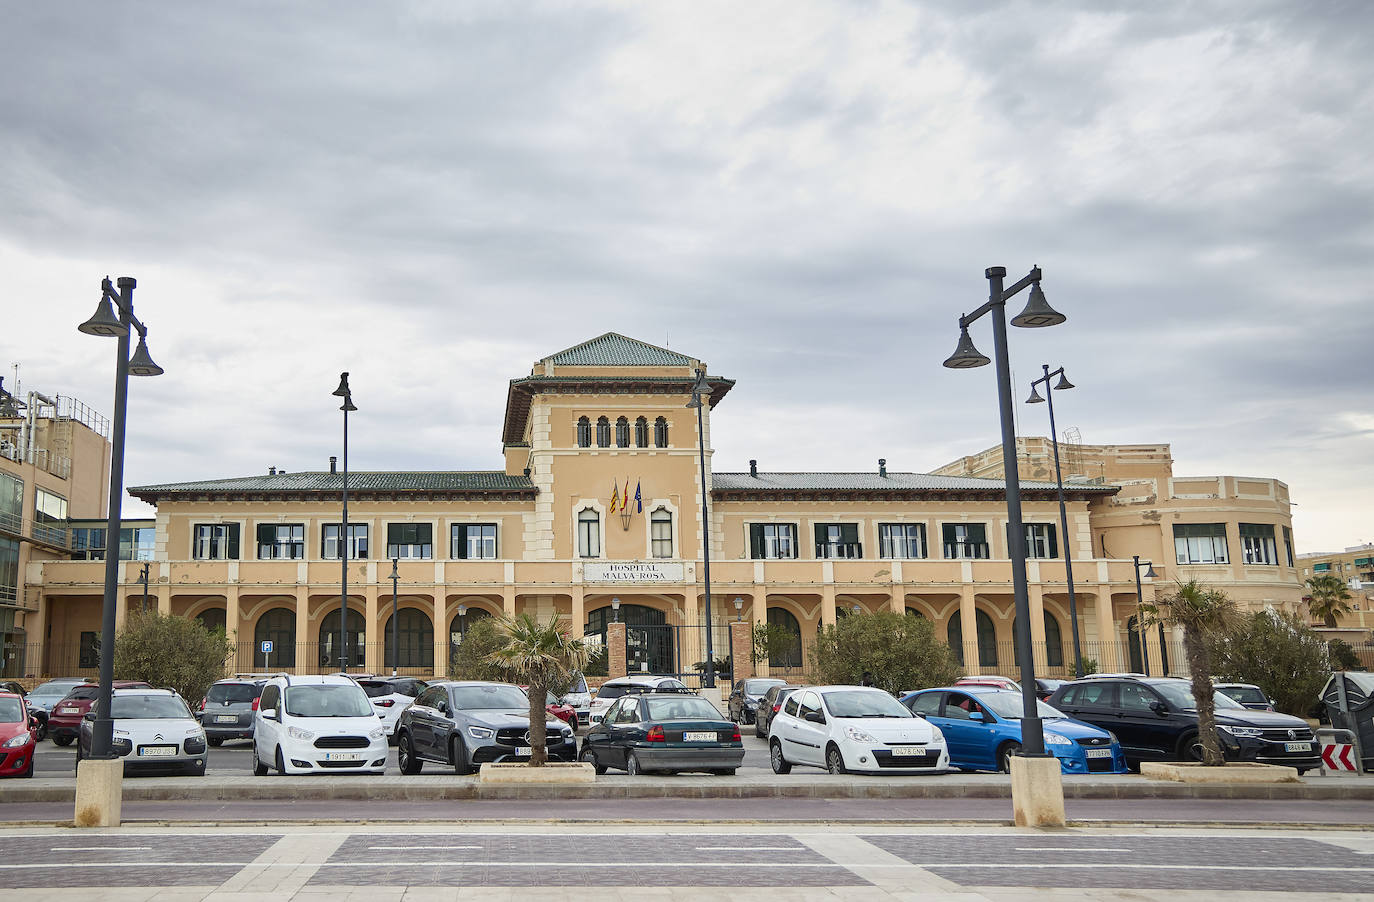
point(28, 772)
point(62, 740)
point(834, 760)
point(1190, 748)
point(458, 754)
point(215, 741)
point(632, 766)
point(589, 757)
point(281, 763)
point(405, 755)
point(780, 764)
point(42, 732)
point(1004, 756)
point(259, 769)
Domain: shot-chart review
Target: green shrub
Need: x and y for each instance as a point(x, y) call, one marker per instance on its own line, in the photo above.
point(171, 653)
point(1343, 656)
point(1277, 652)
point(472, 659)
point(900, 651)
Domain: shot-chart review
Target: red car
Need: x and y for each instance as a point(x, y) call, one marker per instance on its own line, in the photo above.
point(64, 720)
point(18, 737)
point(565, 713)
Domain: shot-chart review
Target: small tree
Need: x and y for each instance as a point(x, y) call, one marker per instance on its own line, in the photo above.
point(472, 659)
point(1343, 656)
point(1328, 598)
point(900, 651)
point(774, 642)
point(1277, 652)
point(1202, 613)
point(171, 652)
point(540, 655)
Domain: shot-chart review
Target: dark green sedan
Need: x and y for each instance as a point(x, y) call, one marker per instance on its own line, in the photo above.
point(663, 732)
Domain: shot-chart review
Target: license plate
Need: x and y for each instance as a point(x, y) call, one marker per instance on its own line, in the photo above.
point(226, 718)
point(344, 756)
point(1098, 753)
point(907, 750)
point(71, 711)
point(156, 751)
point(699, 737)
point(523, 750)
point(1297, 746)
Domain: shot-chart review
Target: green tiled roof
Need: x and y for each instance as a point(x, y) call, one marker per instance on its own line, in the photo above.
point(614, 349)
point(359, 483)
point(872, 482)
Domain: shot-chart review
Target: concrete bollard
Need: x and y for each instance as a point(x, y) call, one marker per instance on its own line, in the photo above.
point(99, 793)
point(1037, 792)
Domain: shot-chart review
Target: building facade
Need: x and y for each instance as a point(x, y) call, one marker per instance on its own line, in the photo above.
point(596, 516)
point(1355, 567)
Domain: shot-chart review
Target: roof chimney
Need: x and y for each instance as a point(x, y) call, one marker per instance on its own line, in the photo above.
point(754, 469)
point(271, 471)
point(333, 464)
point(882, 467)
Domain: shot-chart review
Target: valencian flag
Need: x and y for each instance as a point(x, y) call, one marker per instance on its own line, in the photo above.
point(615, 495)
point(639, 504)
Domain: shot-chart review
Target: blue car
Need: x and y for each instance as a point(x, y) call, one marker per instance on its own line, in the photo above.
point(982, 727)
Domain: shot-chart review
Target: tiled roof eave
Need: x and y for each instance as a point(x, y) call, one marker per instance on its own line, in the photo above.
point(522, 391)
point(389, 495)
point(895, 494)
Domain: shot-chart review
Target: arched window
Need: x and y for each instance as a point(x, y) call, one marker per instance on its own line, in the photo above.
point(584, 432)
point(463, 622)
point(588, 533)
point(1054, 643)
point(213, 619)
point(661, 432)
point(622, 433)
point(1137, 659)
point(913, 612)
point(641, 433)
point(987, 638)
point(782, 619)
point(329, 640)
point(416, 638)
point(277, 626)
point(603, 432)
point(661, 533)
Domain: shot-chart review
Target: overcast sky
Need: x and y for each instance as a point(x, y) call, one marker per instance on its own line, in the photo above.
point(433, 195)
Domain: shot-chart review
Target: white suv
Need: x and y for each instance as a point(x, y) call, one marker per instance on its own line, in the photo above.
point(316, 724)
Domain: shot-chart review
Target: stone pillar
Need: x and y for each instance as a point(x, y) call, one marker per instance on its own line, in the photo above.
point(1036, 596)
point(36, 632)
point(374, 642)
point(968, 622)
point(1107, 661)
point(827, 605)
point(307, 653)
point(758, 613)
point(578, 613)
point(99, 793)
point(615, 650)
point(896, 602)
point(508, 600)
point(742, 648)
point(444, 611)
point(233, 628)
point(1037, 792)
point(164, 599)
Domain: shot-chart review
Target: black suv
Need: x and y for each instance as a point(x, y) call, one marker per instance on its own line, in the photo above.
point(1156, 720)
point(744, 700)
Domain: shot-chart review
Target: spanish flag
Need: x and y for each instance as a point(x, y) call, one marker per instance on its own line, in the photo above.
point(625, 504)
point(615, 495)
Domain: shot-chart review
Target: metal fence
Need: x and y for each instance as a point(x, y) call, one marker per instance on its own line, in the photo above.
point(678, 650)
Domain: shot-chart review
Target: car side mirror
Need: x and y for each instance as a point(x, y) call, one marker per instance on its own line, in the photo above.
point(269, 713)
point(976, 715)
point(198, 714)
point(815, 717)
point(33, 722)
point(1159, 707)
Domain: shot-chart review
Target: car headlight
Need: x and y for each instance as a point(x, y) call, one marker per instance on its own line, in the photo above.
point(1112, 738)
point(298, 733)
point(481, 733)
point(1242, 732)
point(858, 735)
point(121, 732)
point(1056, 739)
point(376, 734)
point(17, 740)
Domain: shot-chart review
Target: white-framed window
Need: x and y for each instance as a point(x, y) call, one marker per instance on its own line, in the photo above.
point(281, 541)
point(588, 533)
point(357, 541)
point(410, 541)
point(473, 541)
point(772, 541)
point(1200, 543)
point(1257, 543)
point(661, 532)
point(1041, 541)
point(965, 540)
point(215, 542)
point(902, 540)
point(838, 540)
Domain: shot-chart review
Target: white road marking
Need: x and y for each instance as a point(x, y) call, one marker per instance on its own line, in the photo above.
point(751, 848)
point(420, 848)
point(101, 849)
point(1065, 849)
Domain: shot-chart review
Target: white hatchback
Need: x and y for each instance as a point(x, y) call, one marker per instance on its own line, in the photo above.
point(317, 724)
point(845, 729)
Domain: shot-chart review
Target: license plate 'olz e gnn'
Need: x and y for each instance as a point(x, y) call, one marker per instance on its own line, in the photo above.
point(699, 737)
point(156, 751)
point(907, 750)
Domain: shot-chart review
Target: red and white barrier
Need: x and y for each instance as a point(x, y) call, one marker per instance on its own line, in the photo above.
point(1338, 757)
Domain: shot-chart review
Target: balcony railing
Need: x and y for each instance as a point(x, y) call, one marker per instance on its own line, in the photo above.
point(28, 528)
point(825, 550)
point(966, 551)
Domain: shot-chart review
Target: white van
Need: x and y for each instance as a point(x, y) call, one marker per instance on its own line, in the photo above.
point(316, 724)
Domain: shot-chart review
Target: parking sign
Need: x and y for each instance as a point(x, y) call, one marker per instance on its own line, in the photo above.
point(267, 646)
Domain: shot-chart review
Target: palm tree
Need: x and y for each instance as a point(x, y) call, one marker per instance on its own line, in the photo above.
point(541, 655)
point(1201, 612)
point(1328, 598)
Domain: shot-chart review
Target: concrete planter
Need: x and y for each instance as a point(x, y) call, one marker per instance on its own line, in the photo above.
point(555, 772)
point(1232, 773)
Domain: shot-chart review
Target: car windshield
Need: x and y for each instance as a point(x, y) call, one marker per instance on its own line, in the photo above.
point(759, 687)
point(1177, 694)
point(327, 701)
point(477, 698)
point(11, 711)
point(858, 703)
point(551, 699)
point(579, 684)
point(1244, 694)
point(232, 692)
point(52, 690)
point(687, 708)
point(1008, 705)
point(148, 707)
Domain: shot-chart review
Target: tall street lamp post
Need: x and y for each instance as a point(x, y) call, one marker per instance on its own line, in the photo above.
point(344, 392)
point(701, 392)
point(395, 621)
point(143, 578)
point(1035, 398)
point(1140, 611)
point(104, 322)
point(1037, 314)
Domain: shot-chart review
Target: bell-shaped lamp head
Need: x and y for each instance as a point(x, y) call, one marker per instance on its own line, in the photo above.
point(140, 364)
point(1063, 382)
point(104, 321)
point(1038, 312)
point(1035, 397)
point(700, 389)
point(344, 392)
point(1149, 571)
point(966, 356)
